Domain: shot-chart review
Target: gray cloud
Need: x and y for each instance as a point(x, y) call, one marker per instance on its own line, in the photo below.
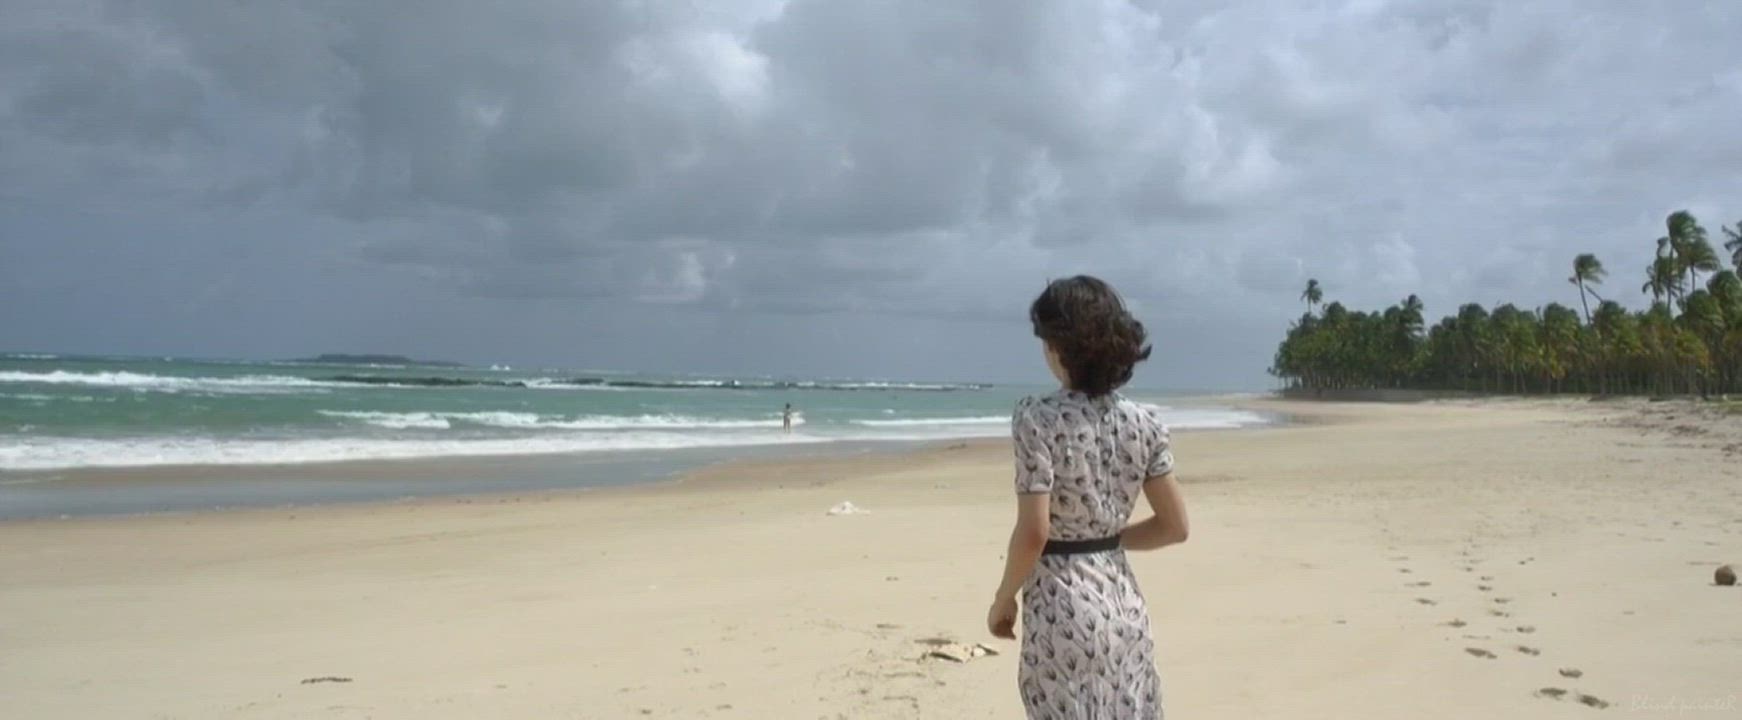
point(839, 173)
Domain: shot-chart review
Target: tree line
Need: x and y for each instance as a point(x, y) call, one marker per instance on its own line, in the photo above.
point(1688, 341)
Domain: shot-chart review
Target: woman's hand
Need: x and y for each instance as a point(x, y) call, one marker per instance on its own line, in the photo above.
point(1001, 619)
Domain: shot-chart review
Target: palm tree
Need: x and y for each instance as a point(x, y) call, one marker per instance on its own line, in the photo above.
point(1313, 293)
point(1587, 270)
point(1412, 314)
point(1726, 286)
point(1402, 349)
point(1560, 344)
point(1726, 344)
point(1475, 342)
point(1662, 278)
point(1698, 257)
point(1685, 234)
point(1704, 315)
point(1516, 348)
point(1618, 344)
point(1734, 244)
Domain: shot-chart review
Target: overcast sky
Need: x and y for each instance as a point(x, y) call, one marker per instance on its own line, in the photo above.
point(820, 187)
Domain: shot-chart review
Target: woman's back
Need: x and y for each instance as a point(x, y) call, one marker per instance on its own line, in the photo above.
point(1092, 454)
point(1083, 456)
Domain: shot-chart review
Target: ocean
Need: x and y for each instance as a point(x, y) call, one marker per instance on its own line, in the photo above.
point(61, 414)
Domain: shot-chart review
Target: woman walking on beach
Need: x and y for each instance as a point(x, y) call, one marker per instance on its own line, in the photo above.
point(1083, 455)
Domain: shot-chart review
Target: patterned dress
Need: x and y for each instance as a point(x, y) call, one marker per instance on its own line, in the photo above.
point(1086, 648)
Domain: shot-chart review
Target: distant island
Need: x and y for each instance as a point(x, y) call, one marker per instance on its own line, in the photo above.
point(344, 359)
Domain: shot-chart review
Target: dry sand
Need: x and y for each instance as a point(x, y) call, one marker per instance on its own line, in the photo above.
point(1382, 561)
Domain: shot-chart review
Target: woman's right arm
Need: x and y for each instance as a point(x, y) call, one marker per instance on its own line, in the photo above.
point(1169, 525)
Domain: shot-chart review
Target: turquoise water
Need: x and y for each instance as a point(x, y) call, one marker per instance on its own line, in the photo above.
point(59, 413)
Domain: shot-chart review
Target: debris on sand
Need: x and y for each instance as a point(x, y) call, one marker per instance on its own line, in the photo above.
point(958, 652)
point(848, 508)
point(1725, 575)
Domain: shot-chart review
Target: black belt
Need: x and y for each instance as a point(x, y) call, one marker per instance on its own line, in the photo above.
point(1080, 547)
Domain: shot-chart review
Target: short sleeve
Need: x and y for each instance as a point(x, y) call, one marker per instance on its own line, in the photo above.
point(1160, 446)
point(1033, 455)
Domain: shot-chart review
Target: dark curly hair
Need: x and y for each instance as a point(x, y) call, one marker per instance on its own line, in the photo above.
point(1096, 339)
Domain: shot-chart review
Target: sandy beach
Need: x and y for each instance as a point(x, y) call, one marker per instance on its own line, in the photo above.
point(1448, 560)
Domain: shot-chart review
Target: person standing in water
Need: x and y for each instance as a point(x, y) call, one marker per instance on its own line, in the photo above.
point(786, 419)
point(1084, 455)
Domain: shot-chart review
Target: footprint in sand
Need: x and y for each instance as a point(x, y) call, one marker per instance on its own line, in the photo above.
point(1574, 673)
point(1479, 652)
point(1405, 571)
point(1454, 622)
point(1502, 600)
point(1485, 588)
point(1418, 583)
point(1498, 613)
point(1593, 701)
point(1526, 629)
point(1486, 578)
point(1553, 693)
point(1528, 650)
point(1426, 601)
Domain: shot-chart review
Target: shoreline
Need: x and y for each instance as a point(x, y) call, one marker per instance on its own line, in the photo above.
point(397, 481)
point(1439, 560)
point(89, 492)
